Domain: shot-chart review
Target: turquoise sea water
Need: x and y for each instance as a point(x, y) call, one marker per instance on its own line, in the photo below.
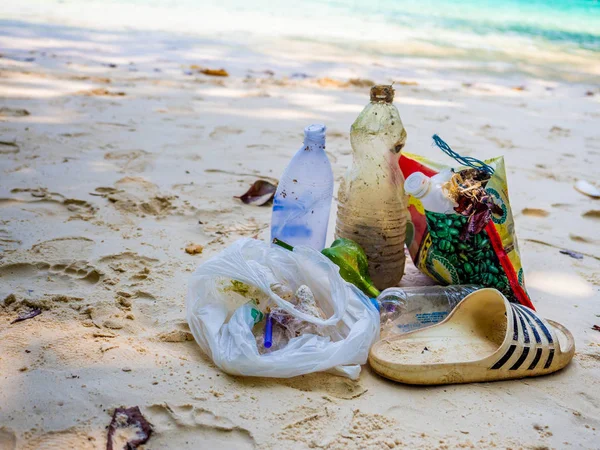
point(575, 23)
point(557, 37)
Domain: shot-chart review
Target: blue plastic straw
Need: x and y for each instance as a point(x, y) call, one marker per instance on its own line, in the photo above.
point(268, 331)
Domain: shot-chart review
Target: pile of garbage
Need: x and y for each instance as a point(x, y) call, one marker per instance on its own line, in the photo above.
point(291, 306)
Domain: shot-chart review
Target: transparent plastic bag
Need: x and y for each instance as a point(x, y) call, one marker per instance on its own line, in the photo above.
point(221, 320)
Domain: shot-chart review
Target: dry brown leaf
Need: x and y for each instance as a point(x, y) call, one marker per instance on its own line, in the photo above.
point(29, 315)
point(535, 212)
point(90, 78)
point(583, 239)
point(128, 418)
point(214, 72)
point(99, 92)
point(260, 193)
point(361, 82)
point(330, 82)
point(592, 214)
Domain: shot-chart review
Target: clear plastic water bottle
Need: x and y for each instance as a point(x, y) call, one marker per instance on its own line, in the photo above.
point(303, 199)
point(410, 308)
point(371, 200)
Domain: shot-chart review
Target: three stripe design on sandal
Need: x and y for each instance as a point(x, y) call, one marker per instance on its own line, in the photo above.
point(521, 338)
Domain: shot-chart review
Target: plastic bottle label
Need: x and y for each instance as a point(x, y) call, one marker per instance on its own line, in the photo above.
point(432, 317)
point(423, 320)
point(256, 315)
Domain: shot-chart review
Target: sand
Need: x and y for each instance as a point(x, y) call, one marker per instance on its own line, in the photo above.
point(117, 156)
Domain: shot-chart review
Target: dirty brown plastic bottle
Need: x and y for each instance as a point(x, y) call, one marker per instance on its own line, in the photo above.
point(371, 198)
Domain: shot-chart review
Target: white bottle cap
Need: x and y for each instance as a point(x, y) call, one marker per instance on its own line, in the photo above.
point(417, 184)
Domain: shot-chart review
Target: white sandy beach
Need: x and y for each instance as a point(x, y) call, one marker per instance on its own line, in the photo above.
point(113, 158)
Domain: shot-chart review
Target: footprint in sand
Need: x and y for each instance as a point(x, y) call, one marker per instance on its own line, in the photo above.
point(502, 143)
point(63, 248)
point(40, 276)
point(325, 428)
point(8, 146)
point(49, 266)
point(248, 228)
point(61, 350)
point(130, 160)
point(47, 277)
point(48, 337)
point(183, 426)
point(7, 240)
point(221, 132)
point(175, 336)
point(594, 143)
point(14, 340)
point(69, 438)
point(120, 307)
point(588, 361)
point(134, 267)
point(307, 427)
point(556, 132)
point(70, 333)
point(116, 352)
point(487, 132)
point(108, 125)
point(136, 195)
point(13, 112)
point(326, 384)
point(8, 439)
point(366, 431)
point(42, 202)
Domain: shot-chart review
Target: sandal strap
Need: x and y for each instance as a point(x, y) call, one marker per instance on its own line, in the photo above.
point(533, 340)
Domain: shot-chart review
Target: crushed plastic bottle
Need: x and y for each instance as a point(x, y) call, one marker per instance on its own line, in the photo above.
point(303, 199)
point(430, 192)
point(410, 308)
point(372, 203)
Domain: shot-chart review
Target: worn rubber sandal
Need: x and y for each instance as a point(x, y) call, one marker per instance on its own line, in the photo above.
point(485, 338)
